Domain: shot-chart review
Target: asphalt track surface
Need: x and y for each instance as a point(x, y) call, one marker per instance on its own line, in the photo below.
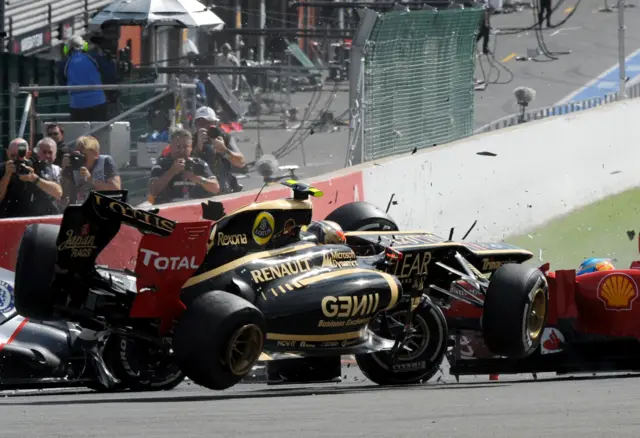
point(514, 406)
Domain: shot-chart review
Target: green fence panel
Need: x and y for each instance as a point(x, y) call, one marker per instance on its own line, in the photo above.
point(418, 80)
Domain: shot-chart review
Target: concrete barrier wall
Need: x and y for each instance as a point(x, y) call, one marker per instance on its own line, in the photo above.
point(339, 188)
point(541, 170)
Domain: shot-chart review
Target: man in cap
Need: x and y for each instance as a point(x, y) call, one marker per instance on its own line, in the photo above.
point(81, 68)
point(220, 152)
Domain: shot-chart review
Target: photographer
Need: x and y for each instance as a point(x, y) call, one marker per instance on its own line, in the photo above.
point(56, 133)
point(218, 149)
point(27, 187)
point(179, 176)
point(85, 170)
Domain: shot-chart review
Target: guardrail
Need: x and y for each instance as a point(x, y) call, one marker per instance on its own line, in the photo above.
point(174, 87)
point(556, 110)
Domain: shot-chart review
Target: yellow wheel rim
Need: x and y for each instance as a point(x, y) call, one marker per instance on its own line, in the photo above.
point(537, 314)
point(244, 349)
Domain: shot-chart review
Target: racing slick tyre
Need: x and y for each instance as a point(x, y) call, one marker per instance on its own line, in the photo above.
point(362, 216)
point(218, 339)
point(37, 257)
point(427, 346)
point(139, 366)
point(515, 310)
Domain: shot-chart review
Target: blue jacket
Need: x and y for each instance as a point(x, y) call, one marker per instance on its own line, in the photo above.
point(84, 69)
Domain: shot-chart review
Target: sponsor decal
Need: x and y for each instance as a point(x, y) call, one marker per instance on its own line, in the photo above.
point(552, 341)
point(231, 239)
point(154, 221)
point(331, 344)
point(287, 344)
point(280, 270)
point(466, 350)
point(31, 41)
point(81, 245)
point(289, 225)
point(167, 263)
point(409, 366)
point(306, 344)
point(412, 265)
point(355, 310)
point(617, 291)
point(6, 297)
point(462, 289)
point(339, 259)
point(492, 265)
point(263, 228)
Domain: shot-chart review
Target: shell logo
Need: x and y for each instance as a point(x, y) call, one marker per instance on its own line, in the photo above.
point(617, 292)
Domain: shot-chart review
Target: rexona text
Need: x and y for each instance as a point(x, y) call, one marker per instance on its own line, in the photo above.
point(280, 270)
point(164, 263)
point(231, 239)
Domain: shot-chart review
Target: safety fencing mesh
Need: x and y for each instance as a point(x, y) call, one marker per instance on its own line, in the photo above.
point(418, 80)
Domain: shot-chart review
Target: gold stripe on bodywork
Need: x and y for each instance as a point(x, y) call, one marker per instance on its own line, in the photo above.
point(387, 233)
point(212, 237)
point(395, 293)
point(278, 204)
point(243, 260)
point(315, 338)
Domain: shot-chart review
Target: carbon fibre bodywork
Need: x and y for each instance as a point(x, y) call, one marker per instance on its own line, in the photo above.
point(313, 296)
point(422, 254)
point(257, 269)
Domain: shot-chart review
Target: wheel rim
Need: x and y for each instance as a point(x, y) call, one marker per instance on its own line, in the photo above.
point(537, 314)
point(417, 341)
point(244, 349)
point(147, 364)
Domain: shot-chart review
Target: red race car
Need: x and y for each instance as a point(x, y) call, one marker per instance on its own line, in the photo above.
point(592, 326)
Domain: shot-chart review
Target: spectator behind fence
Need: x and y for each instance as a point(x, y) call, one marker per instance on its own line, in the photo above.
point(178, 176)
point(28, 187)
point(85, 170)
point(221, 153)
point(81, 68)
point(485, 30)
point(56, 132)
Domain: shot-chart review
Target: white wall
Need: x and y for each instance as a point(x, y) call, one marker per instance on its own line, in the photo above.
point(552, 165)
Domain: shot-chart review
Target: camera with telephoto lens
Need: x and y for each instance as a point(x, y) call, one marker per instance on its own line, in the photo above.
point(77, 160)
point(189, 166)
point(193, 166)
point(23, 162)
point(215, 132)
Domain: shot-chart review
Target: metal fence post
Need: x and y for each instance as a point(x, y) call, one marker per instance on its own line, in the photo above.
point(621, 51)
point(13, 107)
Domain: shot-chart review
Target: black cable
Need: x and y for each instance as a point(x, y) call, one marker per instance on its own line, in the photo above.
point(517, 30)
point(312, 104)
point(306, 132)
point(496, 66)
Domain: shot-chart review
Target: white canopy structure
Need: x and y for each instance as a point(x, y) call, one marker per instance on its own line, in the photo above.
point(174, 13)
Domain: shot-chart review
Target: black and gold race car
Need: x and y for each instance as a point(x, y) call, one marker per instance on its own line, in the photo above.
point(213, 295)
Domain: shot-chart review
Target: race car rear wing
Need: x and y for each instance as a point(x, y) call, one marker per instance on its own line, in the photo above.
point(87, 229)
point(112, 205)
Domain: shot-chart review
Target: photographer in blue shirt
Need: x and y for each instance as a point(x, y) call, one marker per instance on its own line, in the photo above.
point(84, 68)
